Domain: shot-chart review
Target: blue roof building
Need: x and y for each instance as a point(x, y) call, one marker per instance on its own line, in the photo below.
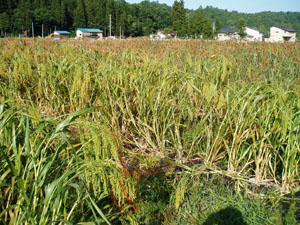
point(90, 30)
point(89, 33)
point(228, 30)
point(62, 32)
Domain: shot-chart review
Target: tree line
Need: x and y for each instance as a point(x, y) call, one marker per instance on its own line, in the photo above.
point(17, 16)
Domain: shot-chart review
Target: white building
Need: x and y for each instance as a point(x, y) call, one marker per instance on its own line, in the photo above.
point(227, 34)
point(89, 33)
point(159, 36)
point(253, 34)
point(282, 34)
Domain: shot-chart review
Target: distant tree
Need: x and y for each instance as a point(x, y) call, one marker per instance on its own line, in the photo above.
point(96, 16)
point(153, 17)
point(4, 22)
point(80, 19)
point(207, 28)
point(200, 25)
point(3, 6)
point(241, 27)
point(91, 11)
point(58, 15)
point(134, 27)
point(122, 18)
point(110, 14)
point(218, 24)
point(22, 17)
point(62, 17)
point(179, 21)
point(35, 4)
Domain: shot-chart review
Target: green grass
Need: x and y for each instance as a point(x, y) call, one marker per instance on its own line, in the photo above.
point(216, 200)
point(41, 176)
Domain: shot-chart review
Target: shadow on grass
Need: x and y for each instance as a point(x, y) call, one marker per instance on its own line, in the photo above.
point(227, 216)
point(292, 202)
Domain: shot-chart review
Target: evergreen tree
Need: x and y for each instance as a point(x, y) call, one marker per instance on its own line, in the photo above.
point(36, 4)
point(146, 15)
point(80, 15)
point(60, 13)
point(91, 11)
point(55, 12)
point(3, 6)
point(70, 7)
point(200, 25)
point(178, 16)
point(63, 15)
point(120, 16)
point(4, 22)
point(42, 14)
point(117, 12)
point(123, 13)
point(241, 27)
point(218, 24)
point(100, 14)
point(110, 17)
point(23, 16)
point(134, 27)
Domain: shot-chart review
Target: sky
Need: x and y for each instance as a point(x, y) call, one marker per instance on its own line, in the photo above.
point(248, 6)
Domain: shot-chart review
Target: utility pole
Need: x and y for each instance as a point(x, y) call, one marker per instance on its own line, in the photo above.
point(110, 25)
point(214, 27)
point(120, 32)
point(55, 28)
point(32, 30)
point(42, 30)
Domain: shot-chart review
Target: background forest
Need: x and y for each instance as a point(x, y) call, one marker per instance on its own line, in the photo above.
point(16, 16)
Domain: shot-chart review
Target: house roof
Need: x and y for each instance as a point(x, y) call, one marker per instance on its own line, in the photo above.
point(90, 30)
point(285, 28)
point(227, 30)
point(255, 29)
point(62, 32)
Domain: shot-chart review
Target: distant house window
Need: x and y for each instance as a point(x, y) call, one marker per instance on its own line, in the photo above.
point(277, 32)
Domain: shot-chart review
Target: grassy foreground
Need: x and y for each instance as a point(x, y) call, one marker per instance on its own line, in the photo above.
point(141, 132)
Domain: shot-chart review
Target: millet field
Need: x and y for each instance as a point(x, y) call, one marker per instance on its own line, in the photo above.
point(149, 132)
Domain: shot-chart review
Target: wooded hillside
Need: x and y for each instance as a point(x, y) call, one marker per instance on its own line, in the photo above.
point(262, 20)
point(16, 16)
